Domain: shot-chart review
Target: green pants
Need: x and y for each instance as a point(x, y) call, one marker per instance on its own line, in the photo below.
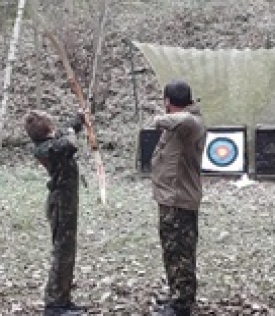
point(178, 230)
point(62, 209)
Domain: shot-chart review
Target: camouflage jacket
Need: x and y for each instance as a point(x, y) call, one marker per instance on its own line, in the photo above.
point(57, 155)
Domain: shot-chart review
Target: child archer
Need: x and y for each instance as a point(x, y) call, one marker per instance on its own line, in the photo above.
point(55, 151)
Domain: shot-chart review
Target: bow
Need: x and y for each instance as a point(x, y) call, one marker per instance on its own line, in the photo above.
point(76, 88)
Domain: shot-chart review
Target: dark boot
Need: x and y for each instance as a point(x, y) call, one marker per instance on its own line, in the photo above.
point(184, 312)
point(169, 310)
point(69, 309)
point(166, 310)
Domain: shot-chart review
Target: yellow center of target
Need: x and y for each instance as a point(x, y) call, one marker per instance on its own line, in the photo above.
point(222, 151)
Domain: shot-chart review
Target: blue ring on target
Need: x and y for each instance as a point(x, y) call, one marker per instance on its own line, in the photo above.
point(222, 151)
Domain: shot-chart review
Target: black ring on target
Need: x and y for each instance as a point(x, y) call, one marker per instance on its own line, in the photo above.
point(229, 145)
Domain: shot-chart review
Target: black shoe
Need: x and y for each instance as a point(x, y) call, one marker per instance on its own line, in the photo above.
point(169, 310)
point(73, 307)
point(69, 309)
point(166, 310)
point(61, 311)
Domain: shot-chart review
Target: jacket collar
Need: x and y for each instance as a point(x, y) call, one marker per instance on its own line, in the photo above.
point(193, 109)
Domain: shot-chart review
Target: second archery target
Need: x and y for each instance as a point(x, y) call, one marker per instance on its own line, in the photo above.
point(265, 150)
point(225, 150)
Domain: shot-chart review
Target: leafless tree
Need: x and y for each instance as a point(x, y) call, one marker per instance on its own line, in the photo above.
point(10, 61)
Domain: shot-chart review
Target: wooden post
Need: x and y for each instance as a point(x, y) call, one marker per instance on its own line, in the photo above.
point(10, 63)
point(97, 46)
point(37, 45)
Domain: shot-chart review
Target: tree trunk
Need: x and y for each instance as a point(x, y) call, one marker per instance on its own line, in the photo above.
point(98, 39)
point(10, 62)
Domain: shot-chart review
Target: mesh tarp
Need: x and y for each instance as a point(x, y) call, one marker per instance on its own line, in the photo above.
point(236, 87)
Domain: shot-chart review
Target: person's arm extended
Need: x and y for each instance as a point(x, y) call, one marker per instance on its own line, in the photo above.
point(170, 121)
point(64, 144)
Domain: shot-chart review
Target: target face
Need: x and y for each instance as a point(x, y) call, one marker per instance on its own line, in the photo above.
point(224, 151)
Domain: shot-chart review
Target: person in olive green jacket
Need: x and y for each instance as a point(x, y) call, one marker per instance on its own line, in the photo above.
point(176, 180)
point(55, 150)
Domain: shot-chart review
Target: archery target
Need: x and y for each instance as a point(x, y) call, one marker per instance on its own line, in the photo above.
point(224, 151)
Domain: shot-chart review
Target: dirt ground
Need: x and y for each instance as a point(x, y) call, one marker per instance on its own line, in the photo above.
point(119, 268)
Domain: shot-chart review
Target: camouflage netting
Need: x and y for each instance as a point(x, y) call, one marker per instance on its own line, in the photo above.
point(235, 86)
point(211, 25)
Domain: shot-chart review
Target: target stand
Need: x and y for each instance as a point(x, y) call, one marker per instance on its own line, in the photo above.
point(225, 151)
point(265, 151)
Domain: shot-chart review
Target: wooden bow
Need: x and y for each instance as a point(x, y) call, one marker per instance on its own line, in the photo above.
point(87, 119)
point(76, 88)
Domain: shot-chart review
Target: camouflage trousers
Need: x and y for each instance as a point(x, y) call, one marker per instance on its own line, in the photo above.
point(62, 216)
point(178, 230)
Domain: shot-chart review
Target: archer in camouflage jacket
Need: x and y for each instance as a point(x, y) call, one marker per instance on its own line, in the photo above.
point(56, 152)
